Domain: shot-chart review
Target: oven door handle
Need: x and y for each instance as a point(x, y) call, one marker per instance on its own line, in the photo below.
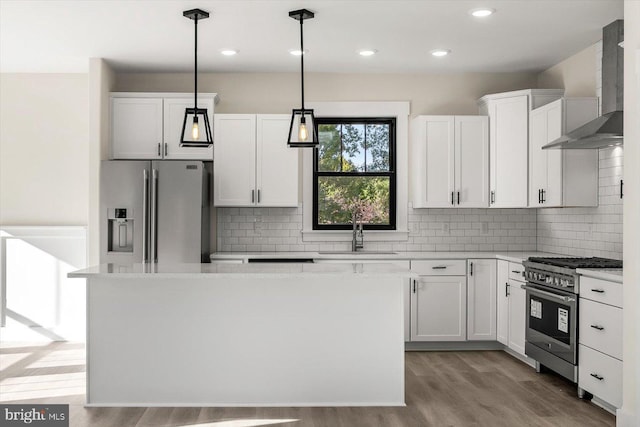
point(548, 294)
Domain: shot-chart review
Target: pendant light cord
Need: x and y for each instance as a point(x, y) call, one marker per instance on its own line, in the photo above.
point(302, 59)
point(195, 71)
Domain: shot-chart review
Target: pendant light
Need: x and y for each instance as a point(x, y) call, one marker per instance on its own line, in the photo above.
point(302, 132)
point(195, 119)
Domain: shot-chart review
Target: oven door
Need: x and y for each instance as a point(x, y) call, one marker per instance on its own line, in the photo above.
point(552, 321)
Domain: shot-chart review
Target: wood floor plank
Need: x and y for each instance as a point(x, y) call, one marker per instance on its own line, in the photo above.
point(457, 389)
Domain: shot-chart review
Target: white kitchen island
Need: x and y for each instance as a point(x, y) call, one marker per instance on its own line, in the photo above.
point(245, 334)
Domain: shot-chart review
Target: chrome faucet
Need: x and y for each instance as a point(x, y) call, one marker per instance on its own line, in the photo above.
point(358, 237)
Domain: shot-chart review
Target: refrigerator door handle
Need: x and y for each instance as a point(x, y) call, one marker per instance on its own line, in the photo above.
point(154, 216)
point(145, 215)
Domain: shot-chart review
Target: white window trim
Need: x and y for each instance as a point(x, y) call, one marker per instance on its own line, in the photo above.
point(399, 110)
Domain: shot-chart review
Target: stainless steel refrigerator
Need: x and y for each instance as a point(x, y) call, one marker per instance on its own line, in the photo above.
point(154, 211)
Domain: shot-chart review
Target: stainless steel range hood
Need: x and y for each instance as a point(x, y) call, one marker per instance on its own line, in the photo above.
point(606, 130)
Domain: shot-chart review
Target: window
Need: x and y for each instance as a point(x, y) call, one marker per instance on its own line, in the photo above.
point(355, 171)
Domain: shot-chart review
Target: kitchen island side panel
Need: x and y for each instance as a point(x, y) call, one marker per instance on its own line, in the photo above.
point(309, 341)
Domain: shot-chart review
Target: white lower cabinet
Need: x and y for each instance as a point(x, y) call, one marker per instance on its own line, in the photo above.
point(438, 306)
point(600, 349)
point(517, 316)
point(511, 306)
point(600, 375)
point(481, 300)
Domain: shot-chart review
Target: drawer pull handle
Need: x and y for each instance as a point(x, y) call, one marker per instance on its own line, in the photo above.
point(516, 271)
point(439, 267)
point(598, 377)
point(600, 291)
point(600, 328)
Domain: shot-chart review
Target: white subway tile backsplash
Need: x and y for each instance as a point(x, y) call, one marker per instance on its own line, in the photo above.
point(588, 231)
point(279, 229)
point(595, 231)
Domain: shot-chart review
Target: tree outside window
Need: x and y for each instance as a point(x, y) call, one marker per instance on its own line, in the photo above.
point(354, 171)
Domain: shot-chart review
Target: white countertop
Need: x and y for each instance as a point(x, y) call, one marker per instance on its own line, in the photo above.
point(610, 274)
point(373, 255)
point(238, 270)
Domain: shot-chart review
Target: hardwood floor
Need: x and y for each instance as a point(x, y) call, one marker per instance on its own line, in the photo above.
point(467, 389)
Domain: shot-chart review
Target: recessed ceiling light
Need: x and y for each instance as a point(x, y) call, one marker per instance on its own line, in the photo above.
point(440, 52)
point(367, 52)
point(229, 52)
point(482, 12)
point(298, 52)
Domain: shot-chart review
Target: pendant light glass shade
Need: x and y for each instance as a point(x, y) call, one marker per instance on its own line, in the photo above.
point(196, 129)
point(302, 131)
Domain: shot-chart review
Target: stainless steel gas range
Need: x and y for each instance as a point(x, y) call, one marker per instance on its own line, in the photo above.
point(552, 311)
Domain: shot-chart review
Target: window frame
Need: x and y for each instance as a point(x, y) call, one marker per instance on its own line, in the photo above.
point(391, 174)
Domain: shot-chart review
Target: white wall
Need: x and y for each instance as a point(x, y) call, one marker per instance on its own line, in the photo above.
point(280, 92)
point(630, 413)
point(44, 146)
point(576, 75)
point(101, 80)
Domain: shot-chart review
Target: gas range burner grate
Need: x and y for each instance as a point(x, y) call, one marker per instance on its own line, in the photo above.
point(593, 262)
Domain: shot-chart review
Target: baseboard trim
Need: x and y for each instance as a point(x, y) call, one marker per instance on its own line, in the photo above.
point(238, 405)
point(453, 346)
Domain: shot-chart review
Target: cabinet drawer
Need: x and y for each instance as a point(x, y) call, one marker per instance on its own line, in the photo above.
point(601, 327)
point(601, 291)
point(516, 271)
point(600, 375)
point(442, 267)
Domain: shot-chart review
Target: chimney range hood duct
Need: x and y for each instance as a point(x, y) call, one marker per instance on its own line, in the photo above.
point(606, 130)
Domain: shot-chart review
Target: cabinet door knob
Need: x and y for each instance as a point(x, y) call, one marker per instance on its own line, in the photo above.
point(598, 377)
point(600, 291)
point(471, 269)
point(452, 198)
point(253, 196)
point(414, 286)
point(493, 197)
point(159, 152)
point(458, 197)
point(598, 327)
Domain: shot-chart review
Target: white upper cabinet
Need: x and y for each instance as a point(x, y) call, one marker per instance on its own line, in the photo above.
point(253, 164)
point(472, 161)
point(277, 163)
point(136, 128)
point(560, 178)
point(509, 142)
point(234, 172)
point(450, 156)
point(173, 121)
point(149, 125)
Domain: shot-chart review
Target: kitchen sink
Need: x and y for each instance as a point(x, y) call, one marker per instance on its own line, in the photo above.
point(356, 253)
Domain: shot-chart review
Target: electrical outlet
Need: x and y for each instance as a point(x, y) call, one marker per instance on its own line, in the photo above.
point(258, 225)
point(484, 228)
point(445, 227)
point(414, 229)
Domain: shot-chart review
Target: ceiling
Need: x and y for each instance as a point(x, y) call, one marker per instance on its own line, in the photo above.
point(145, 35)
